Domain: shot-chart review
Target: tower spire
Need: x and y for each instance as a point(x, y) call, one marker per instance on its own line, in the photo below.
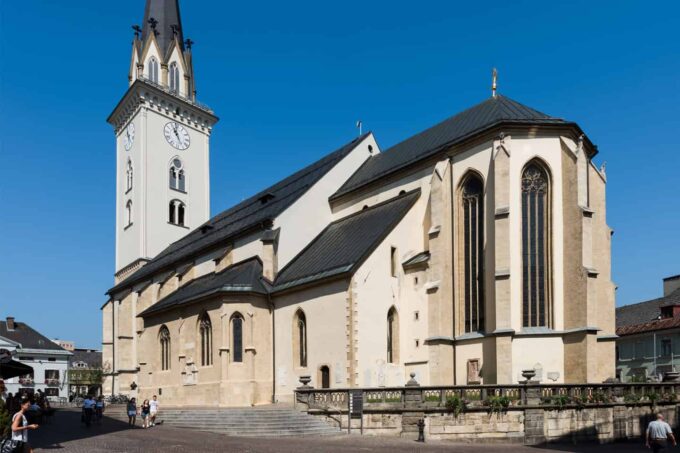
point(162, 18)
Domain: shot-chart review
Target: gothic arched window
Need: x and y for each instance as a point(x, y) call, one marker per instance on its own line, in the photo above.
point(164, 338)
point(472, 229)
point(177, 177)
point(536, 247)
point(176, 210)
point(128, 213)
point(205, 332)
point(237, 338)
point(392, 336)
point(128, 176)
point(300, 338)
point(173, 75)
point(152, 69)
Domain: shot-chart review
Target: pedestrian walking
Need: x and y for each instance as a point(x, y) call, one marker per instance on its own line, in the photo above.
point(658, 433)
point(20, 428)
point(144, 410)
point(88, 410)
point(154, 406)
point(132, 412)
point(99, 407)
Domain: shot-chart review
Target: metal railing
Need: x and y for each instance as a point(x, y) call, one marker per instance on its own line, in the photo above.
point(484, 396)
point(176, 94)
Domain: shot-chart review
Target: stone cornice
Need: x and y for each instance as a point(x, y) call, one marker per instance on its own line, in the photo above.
point(145, 94)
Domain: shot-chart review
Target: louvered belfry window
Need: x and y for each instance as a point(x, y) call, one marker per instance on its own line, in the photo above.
point(473, 236)
point(536, 247)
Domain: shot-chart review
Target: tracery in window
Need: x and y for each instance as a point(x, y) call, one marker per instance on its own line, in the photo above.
point(164, 338)
point(205, 333)
point(237, 338)
point(472, 229)
point(536, 247)
point(177, 176)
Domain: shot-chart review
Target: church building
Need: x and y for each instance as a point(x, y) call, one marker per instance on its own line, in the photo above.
point(465, 254)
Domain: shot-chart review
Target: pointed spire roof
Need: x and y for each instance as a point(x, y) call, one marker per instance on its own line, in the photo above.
point(165, 14)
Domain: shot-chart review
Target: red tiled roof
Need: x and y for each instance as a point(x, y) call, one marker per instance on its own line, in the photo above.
point(659, 324)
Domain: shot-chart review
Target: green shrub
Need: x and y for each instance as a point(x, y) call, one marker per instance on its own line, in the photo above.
point(631, 398)
point(653, 397)
point(498, 404)
point(455, 404)
point(432, 398)
point(560, 400)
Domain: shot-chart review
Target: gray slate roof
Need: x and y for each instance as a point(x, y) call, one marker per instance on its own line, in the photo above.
point(644, 312)
point(92, 357)
point(243, 277)
point(344, 244)
point(166, 12)
point(28, 337)
point(486, 115)
point(257, 212)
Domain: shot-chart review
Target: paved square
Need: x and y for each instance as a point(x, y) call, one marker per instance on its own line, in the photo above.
point(67, 434)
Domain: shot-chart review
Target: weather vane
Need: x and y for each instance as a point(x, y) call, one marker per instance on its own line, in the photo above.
point(494, 78)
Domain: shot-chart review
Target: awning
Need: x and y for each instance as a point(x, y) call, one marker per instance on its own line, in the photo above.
point(14, 368)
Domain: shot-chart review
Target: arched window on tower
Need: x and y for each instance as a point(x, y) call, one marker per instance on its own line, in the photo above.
point(536, 247)
point(392, 336)
point(300, 338)
point(152, 69)
point(176, 210)
point(173, 76)
point(472, 229)
point(177, 175)
point(205, 332)
point(128, 176)
point(237, 338)
point(164, 339)
point(128, 213)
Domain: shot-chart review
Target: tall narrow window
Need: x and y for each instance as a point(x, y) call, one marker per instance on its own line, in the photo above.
point(177, 178)
point(164, 337)
point(128, 213)
point(152, 69)
point(300, 339)
point(205, 332)
point(393, 261)
point(180, 214)
point(237, 338)
point(536, 247)
point(392, 336)
point(128, 175)
point(473, 251)
point(325, 377)
point(171, 212)
point(173, 74)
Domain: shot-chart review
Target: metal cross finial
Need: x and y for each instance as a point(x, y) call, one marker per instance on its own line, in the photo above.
point(153, 22)
point(175, 29)
point(188, 42)
point(494, 77)
point(138, 30)
point(359, 126)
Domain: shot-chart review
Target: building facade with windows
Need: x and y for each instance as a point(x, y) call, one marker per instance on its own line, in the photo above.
point(465, 254)
point(648, 346)
point(49, 360)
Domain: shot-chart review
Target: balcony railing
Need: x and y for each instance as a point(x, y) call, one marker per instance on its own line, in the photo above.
point(176, 94)
point(485, 396)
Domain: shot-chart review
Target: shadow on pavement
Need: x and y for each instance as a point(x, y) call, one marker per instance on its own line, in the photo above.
point(66, 426)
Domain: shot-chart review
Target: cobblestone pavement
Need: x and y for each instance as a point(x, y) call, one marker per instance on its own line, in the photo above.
point(66, 433)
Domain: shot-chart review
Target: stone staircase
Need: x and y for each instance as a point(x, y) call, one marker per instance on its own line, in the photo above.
point(266, 421)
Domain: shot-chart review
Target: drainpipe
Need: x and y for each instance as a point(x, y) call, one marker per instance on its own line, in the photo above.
point(453, 271)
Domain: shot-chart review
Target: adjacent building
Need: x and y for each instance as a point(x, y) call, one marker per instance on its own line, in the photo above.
point(85, 372)
point(465, 254)
point(48, 360)
point(649, 336)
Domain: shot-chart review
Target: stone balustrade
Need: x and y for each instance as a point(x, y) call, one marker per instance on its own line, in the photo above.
point(530, 413)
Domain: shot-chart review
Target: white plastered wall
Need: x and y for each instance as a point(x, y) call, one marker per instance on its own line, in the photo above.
point(325, 311)
point(311, 213)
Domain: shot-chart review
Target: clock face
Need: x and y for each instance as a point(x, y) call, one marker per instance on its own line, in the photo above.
point(177, 135)
point(129, 136)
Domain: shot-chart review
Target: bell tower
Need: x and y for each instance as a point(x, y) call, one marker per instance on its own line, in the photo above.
point(162, 142)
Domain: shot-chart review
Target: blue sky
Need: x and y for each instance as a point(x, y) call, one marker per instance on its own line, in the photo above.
point(288, 82)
